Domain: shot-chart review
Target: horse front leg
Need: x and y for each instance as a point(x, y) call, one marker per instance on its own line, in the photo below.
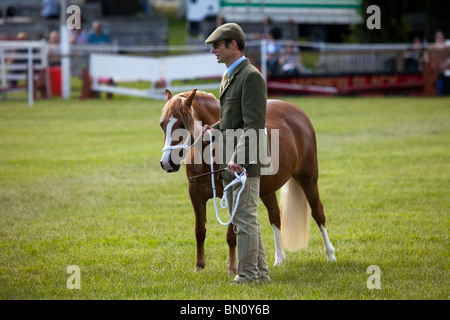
point(199, 206)
point(200, 235)
point(231, 240)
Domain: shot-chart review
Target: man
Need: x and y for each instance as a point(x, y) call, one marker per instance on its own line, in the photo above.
point(96, 35)
point(243, 103)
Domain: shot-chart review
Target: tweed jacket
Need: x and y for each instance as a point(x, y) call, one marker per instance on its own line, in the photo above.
point(243, 105)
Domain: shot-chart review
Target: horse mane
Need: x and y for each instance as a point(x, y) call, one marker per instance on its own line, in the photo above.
point(175, 108)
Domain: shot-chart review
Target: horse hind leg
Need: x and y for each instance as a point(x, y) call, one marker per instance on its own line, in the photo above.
point(329, 249)
point(311, 191)
point(271, 203)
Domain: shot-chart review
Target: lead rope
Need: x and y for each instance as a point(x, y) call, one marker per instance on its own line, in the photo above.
point(240, 178)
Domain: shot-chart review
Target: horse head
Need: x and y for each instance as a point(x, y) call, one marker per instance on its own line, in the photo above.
point(178, 123)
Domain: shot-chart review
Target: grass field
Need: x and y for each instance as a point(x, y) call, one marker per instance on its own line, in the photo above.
point(81, 184)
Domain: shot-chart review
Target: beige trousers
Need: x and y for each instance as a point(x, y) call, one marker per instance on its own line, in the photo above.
point(252, 263)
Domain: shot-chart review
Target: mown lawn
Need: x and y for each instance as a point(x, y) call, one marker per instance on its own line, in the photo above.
point(81, 184)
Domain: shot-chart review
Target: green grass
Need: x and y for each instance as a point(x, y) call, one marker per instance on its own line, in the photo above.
point(81, 184)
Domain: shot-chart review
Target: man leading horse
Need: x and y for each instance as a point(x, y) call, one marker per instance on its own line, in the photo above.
point(243, 105)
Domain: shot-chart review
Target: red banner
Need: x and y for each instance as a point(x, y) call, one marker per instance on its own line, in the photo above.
point(348, 84)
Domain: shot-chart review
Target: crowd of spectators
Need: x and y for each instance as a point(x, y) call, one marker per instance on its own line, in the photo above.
point(283, 55)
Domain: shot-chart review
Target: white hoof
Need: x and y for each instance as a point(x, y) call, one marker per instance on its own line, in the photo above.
point(331, 258)
point(330, 254)
point(329, 249)
point(280, 256)
point(279, 261)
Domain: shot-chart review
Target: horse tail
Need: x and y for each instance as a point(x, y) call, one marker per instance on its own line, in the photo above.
point(294, 216)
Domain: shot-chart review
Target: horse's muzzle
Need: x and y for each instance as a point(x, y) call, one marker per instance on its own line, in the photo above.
point(170, 166)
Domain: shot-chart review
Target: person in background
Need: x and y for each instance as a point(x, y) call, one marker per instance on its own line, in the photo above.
point(438, 56)
point(50, 9)
point(21, 36)
point(272, 51)
point(146, 6)
point(267, 30)
point(220, 20)
point(96, 35)
point(78, 36)
point(290, 61)
point(53, 51)
point(414, 57)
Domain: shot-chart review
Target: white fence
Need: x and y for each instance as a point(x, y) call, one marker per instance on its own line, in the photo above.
point(121, 68)
point(170, 63)
point(19, 61)
point(361, 58)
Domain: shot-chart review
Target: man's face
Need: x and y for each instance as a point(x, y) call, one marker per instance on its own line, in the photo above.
point(97, 27)
point(221, 52)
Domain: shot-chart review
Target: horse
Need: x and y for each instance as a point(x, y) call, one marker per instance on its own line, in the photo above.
point(297, 173)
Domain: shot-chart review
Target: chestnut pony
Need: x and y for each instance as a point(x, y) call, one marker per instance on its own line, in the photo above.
point(296, 172)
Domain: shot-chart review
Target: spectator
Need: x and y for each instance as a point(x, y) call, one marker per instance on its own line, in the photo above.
point(272, 51)
point(78, 36)
point(438, 56)
point(266, 30)
point(53, 51)
point(21, 36)
point(414, 57)
point(290, 61)
point(50, 9)
point(220, 20)
point(146, 7)
point(96, 35)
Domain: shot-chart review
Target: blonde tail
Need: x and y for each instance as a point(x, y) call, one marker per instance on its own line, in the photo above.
point(294, 216)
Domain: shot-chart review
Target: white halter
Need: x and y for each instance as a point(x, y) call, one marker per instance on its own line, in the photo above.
point(185, 145)
point(241, 178)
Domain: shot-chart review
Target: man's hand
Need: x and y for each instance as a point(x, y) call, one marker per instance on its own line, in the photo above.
point(234, 167)
point(205, 128)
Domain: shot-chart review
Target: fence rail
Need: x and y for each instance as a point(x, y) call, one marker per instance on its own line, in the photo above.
point(316, 58)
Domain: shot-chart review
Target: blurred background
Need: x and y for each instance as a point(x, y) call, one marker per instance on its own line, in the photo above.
point(300, 46)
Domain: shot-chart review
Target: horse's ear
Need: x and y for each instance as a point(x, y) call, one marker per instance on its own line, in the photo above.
point(189, 99)
point(169, 95)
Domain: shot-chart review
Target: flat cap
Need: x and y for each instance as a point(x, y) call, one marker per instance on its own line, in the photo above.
point(230, 31)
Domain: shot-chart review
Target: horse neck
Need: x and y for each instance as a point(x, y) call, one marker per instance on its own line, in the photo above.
point(207, 110)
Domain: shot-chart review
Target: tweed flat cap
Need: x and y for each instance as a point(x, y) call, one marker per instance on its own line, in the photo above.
point(230, 31)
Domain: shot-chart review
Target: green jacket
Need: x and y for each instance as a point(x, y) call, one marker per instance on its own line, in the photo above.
point(243, 105)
